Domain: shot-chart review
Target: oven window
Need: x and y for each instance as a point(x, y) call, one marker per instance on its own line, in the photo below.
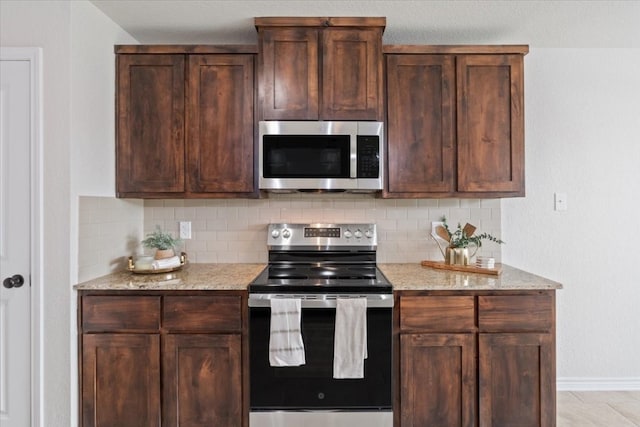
point(312, 386)
point(306, 156)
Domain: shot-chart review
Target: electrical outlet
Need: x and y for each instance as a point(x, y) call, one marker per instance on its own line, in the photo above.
point(560, 201)
point(185, 229)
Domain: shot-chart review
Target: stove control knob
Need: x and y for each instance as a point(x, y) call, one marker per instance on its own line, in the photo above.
point(368, 234)
point(275, 233)
point(347, 234)
point(286, 233)
point(358, 234)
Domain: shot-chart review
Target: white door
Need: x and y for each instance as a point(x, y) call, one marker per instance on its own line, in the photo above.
point(15, 190)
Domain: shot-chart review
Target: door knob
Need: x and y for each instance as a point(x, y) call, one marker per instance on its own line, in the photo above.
point(13, 282)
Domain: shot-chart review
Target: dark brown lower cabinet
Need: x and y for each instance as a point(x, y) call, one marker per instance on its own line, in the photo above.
point(469, 359)
point(160, 359)
point(438, 380)
point(120, 380)
point(515, 380)
point(200, 373)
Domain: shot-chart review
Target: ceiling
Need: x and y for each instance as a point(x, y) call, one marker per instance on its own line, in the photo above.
point(541, 23)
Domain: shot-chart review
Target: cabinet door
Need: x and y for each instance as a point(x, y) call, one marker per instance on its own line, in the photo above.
point(351, 74)
point(517, 380)
point(150, 125)
point(220, 124)
point(202, 380)
point(437, 380)
point(120, 380)
point(421, 124)
point(490, 123)
point(289, 78)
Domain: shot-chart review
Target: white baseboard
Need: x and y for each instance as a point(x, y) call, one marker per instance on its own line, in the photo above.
point(598, 384)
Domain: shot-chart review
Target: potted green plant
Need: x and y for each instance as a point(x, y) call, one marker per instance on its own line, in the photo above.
point(457, 251)
point(163, 242)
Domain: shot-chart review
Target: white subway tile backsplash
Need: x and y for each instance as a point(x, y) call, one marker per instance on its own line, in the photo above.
point(397, 213)
point(152, 203)
point(491, 203)
point(408, 225)
point(251, 257)
point(228, 257)
point(216, 224)
point(162, 213)
point(218, 245)
point(235, 230)
point(470, 203)
point(109, 231)
point(460, 214)
point(192, 246)
point(480, 213)
point(174, 203)
point(206, 212)
point(449, 203)
point(203, 257)
point(184, 212)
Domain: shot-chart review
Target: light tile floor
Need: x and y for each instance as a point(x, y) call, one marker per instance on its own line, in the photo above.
point(598, 409)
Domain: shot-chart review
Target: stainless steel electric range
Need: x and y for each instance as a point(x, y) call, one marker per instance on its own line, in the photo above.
point(319, 264)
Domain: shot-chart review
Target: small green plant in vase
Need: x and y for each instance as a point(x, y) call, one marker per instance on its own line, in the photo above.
point(163, 242)
point(457, 251)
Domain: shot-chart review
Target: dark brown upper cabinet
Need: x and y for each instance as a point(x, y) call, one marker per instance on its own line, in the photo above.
point(455, 121)
point(220, 130)
point(185, 121)
point(150, 124)
point(320, 68)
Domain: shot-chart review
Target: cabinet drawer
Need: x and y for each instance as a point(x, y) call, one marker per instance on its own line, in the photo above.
point(202, 313)
point(120, 313)
point(437, 313)
point(515, 313)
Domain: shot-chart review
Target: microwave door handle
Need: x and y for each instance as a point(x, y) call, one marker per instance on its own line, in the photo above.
point(353, 164)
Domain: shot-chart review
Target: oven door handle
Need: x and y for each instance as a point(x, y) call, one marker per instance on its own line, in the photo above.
point(321, 300)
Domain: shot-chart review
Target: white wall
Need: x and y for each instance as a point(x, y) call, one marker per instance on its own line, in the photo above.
point(583, 138)
point(92, 112)
point(77, 42)
point(47, 24)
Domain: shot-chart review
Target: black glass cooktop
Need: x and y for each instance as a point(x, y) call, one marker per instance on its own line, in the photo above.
point(321, 278)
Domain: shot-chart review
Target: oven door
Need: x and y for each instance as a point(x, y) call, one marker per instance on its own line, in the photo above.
point(312, 386)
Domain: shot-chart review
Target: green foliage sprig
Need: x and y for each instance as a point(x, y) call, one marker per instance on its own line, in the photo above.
point(161, 240)
point(459, 239)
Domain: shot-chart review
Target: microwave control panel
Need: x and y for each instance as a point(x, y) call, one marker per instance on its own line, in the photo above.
point(368, 156)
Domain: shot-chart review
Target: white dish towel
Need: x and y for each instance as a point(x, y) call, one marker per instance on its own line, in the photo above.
point(285, 340)
point(350, 342)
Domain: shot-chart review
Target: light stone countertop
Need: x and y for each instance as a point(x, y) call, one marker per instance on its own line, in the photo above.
point(237, 276)
point(207, 277)
point(414, 277)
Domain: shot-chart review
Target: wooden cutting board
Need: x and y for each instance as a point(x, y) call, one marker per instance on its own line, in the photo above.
point(463, 268)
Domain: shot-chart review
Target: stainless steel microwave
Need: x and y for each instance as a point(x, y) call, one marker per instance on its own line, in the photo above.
point(321, 156)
